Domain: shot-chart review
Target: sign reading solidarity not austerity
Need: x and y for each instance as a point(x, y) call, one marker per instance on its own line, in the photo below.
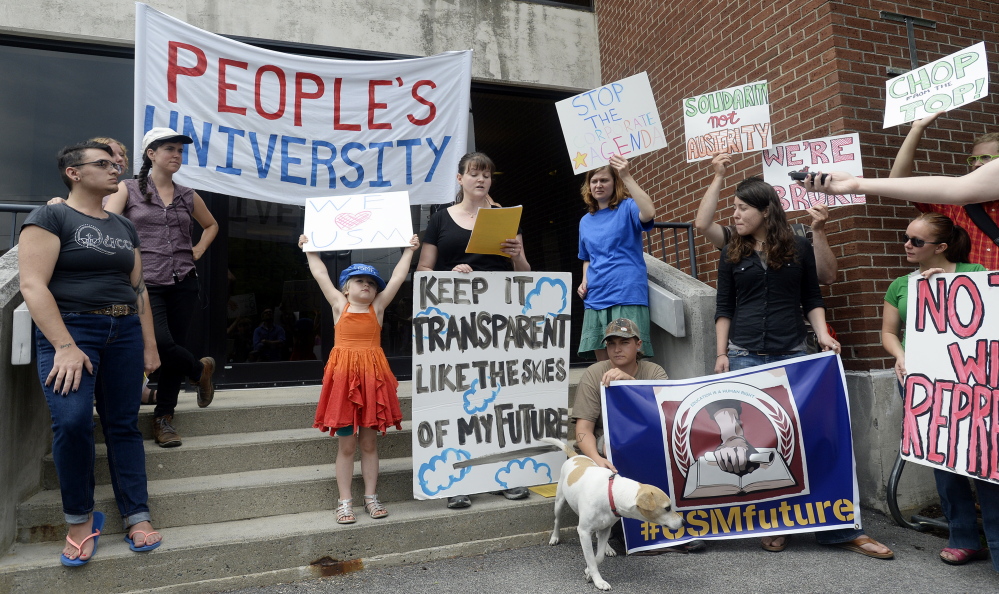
point(793, 416)
point(617, 118)
point(283, 128)
point(840, 153)
point(733, 120)
point(951, 400)
point(490, 378)
point(950, 82)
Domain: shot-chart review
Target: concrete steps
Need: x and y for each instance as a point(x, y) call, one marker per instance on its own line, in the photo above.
point(248, 499)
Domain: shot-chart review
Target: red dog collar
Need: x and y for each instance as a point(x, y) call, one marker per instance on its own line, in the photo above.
point(610, 495)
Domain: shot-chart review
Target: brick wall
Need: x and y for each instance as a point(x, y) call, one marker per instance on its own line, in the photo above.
point(826, 66)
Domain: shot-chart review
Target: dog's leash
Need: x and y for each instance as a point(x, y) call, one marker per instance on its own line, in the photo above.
point(610, 494)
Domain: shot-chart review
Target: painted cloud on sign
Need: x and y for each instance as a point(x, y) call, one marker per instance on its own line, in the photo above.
point(475, 400)
point(549, 295)
point(438, 474)
point(527, 471)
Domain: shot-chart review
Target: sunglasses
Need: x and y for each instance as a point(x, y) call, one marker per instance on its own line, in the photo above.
point(103, 164)
point(916, 242)
point(983, 159)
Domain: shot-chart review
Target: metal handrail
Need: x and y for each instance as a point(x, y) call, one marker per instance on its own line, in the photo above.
point(14, 209)
point(676, 244)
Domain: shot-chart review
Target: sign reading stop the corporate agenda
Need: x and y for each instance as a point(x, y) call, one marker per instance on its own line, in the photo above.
point(618, 118)
point(949, 82)
point(283, 128)
point(490, 378)
point(793, 416)
point(839, 153)
point(733, 120)
point(951, 403)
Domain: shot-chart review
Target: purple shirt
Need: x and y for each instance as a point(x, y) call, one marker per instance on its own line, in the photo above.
point(166, 244)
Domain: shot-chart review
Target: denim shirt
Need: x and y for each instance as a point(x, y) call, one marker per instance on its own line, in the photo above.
point(767, 306)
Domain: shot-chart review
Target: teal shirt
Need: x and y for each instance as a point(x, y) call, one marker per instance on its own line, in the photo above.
point(898, 292)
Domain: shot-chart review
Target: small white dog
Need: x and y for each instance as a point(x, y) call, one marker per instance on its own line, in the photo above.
point(599, 497)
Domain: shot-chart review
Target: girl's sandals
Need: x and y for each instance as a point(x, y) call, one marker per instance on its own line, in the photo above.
point(345, 512)
point(374, 507)
point(962, 556)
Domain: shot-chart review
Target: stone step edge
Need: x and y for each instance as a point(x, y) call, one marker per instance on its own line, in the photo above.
point(240, 532)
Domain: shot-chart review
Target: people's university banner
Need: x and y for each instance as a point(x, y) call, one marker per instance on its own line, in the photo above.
point(794, 416)
point(282, 128)
point(951, 401)
point(490, 378)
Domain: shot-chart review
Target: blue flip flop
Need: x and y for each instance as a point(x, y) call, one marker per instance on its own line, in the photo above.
point(143, 548)
point(97, 527)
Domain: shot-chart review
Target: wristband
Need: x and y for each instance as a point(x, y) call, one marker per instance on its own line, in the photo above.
point(722, 355)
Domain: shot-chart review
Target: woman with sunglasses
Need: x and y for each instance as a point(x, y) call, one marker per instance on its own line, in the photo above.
point(81, 277)
point(937, 245)
point(162, 212)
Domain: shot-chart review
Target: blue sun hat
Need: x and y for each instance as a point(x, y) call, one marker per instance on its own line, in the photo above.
point(359, 270)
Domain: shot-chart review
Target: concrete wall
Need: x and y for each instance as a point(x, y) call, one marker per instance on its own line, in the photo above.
point(516, 42)
point(24, 419)
point(693, 354)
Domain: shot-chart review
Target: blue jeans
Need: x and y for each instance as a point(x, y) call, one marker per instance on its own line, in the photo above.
point(959, 506)
point(114, 346)
point(742, 359)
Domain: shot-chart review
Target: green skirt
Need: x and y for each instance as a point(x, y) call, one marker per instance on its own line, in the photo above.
point(595, 322)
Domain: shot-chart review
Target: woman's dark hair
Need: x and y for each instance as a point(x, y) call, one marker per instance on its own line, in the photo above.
point(147, 164)
point(479, 161)
point(779, 246)
point(620, 193)
point(945, 231)
point(72, 155)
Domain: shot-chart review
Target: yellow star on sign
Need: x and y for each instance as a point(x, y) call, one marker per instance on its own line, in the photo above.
point(579, 161)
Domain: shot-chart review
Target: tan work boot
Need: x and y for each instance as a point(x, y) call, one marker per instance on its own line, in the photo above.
point(163, 432)
point(206, 389)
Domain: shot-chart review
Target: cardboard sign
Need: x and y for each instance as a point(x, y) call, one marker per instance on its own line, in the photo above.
point(950, 82)
point(833, 153)
point(734, 120)
point(361, 222)
point(618, 118)
point(952, 354)
point(490, 378)
point(282, 128)
point(794, 414)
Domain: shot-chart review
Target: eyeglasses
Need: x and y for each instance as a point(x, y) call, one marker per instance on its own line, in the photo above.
point(983, 159)
point(103, 164)
point(916, 242)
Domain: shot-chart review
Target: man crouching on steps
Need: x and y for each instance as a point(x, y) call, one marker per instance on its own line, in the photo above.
point(623, 345)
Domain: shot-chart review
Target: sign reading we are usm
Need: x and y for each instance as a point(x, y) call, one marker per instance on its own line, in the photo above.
point(283, 128)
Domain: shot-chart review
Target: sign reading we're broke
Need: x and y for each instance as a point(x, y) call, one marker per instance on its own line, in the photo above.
point(490, 378)
point(951, 404)
point(282, 128)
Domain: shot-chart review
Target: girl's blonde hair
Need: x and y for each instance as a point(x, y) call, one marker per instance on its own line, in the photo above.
point(620, 193)
point(109, 141)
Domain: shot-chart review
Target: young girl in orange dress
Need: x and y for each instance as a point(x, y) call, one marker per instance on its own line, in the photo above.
point(359, 397)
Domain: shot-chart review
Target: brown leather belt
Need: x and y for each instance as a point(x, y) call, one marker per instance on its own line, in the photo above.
point(115, 311)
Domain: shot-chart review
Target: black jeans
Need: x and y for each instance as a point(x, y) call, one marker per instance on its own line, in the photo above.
point(173, 306)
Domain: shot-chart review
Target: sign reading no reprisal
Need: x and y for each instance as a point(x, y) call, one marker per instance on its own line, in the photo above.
point(733, 120)
point(618, 118)
point(950, 82)
point(359, 222)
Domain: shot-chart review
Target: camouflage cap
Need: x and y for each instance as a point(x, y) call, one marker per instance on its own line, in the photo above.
point(622, 327)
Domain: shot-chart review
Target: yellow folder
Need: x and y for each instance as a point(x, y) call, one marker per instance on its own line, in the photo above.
point(492, 227)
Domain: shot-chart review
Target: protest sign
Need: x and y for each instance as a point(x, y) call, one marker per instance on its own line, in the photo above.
point(733, 120)
point(618, 118)
point(282, 127)
point(793, 414)
point(950, 82)
point(951, 399)
point(359, 222)
point(490, 378)
point(840, 153)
